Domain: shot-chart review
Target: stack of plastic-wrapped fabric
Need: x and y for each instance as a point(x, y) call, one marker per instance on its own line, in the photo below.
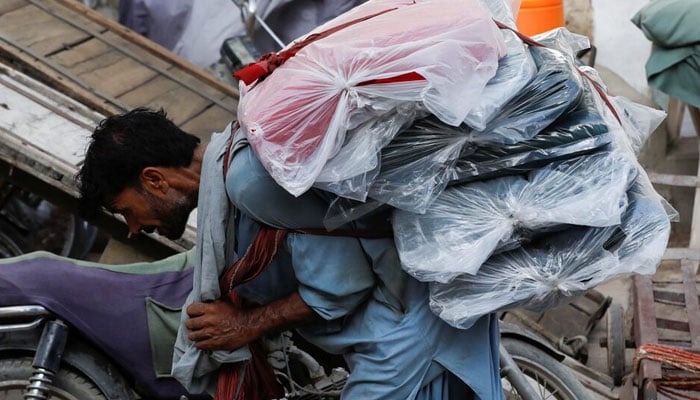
point(513, 177)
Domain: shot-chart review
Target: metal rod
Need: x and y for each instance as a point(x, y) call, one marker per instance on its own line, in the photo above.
point(269, 31)
point(515, 376)
point(38, 313)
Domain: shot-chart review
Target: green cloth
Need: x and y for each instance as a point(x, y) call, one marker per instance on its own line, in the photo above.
point(175, 263)
point(163, 322)
point(674, 64)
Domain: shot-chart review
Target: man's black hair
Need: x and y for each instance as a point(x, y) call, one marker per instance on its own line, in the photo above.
point(121, 147)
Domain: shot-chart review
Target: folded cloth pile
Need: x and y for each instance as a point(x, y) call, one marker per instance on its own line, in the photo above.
point(514, 179)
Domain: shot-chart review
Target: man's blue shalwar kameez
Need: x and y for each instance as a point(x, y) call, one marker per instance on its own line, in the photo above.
point(374, 314)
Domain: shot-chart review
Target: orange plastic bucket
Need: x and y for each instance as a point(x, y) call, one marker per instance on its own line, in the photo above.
point(537, 16)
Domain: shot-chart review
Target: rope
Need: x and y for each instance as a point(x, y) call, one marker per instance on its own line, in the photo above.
point(672, 358)
point(532, 42)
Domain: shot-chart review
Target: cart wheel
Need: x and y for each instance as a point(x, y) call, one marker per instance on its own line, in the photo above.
point(616, 343)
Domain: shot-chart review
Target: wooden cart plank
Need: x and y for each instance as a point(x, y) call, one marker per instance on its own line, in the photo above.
point(150, 46)
point(67, 15)
point(165, 68)
point(225, 98)
point(112, 69)
point(59, 77)
point(162, 92)
point(212, 120)
point(115, 74)
point(76, 58)
point(144, 56)
point(7, 6)
point(645, 325)
point(38, 30)
point(691, 300)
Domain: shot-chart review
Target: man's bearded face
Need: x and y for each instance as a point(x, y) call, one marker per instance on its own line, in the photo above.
point(172, 214)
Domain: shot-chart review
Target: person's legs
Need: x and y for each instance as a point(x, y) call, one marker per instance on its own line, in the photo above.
point(446, 386)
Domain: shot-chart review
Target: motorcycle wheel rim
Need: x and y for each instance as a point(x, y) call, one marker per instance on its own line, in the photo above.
point(14, 390)
point(547, 386)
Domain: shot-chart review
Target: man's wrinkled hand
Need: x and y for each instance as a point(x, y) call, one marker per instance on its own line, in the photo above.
point(219, 325)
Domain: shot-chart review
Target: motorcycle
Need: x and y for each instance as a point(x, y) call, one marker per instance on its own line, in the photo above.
point(30, 223)
point(72, 329)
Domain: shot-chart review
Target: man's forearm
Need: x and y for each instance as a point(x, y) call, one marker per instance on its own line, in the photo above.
point(220, 326)
point(281, 314)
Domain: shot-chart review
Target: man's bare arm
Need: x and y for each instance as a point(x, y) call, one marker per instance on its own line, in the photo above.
point(218, 325)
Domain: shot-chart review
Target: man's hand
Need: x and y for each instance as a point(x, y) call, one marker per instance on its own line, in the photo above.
point(219, 325)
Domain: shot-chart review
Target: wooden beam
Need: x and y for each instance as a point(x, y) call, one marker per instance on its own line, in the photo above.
point(61, 77)
point(695, 221)
point(674, 121)
point(695, 117)
point(675, 253)
point(692, 306)
point(674, 180)
point(150, 46)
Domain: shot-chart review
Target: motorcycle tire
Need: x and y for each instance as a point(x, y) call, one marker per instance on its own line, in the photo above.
point(67, 384)
point(550, 379)
point(12, 242)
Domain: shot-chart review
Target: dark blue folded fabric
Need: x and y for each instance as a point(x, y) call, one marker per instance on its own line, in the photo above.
point(581, 130)
point(555, 89)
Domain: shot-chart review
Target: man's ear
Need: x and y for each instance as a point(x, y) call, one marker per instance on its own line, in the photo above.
point(153, 179)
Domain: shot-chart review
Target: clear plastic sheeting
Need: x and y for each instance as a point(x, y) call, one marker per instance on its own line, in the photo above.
point(350, 172)
point(417, 165)
point(515, 70)
point(555, 88)
point(422, 159)
point(501, 11)
point(638, 121)
point(555, 268)
point(297, 118)
point(579, 131)
point(564, 41)
point(468, 223)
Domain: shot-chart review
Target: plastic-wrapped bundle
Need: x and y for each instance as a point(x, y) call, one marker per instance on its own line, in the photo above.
point(544, 274)
point(515, 70)
point(348, 174)
point(555, 88)
point(467, 223)
point(580, 131)
point(297, 117)
point(417, 165)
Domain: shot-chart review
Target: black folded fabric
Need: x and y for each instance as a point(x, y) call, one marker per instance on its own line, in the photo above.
point(580, 131)
point(556, 88)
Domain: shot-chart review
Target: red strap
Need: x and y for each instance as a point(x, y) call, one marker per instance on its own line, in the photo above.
point(269, 62)
point(532, 42)
point(250, 380)
point(257, 257)
point(407, 77)
point(348, 233)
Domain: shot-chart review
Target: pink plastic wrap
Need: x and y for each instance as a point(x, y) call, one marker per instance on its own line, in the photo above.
point(434, 53)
